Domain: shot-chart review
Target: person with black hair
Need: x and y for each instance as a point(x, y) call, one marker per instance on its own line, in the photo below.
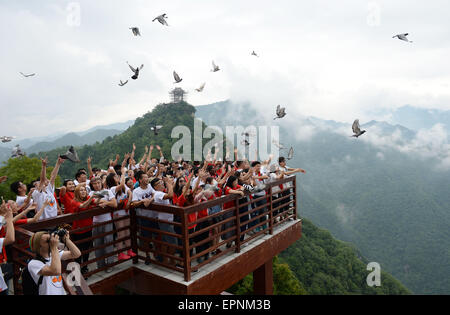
point(231, 187)
point(81, 178)
point(259, 180)
point(23, 200)
point(288, 172)
point(66, 195)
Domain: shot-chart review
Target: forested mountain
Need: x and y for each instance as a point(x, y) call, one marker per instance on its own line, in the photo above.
point(321, 265)
point(171, 115)
point(380, 192)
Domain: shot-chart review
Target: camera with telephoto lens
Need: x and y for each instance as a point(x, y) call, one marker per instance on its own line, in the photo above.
point(61, 231)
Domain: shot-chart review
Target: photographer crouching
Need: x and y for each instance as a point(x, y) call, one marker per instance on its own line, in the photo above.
point(45, 269)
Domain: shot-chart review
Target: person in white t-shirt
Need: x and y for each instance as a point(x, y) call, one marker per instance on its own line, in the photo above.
point(142, 197)
point(45, 246)
point(123, 195)
point(6, 217)
point(163, 198)
point(288, 172)
point(274, 175)
point(108, 200)
point(46, 190)
point(20, 189)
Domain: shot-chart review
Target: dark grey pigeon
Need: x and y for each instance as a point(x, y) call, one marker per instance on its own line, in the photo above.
point(136, 71)
point(245, 142)
point(101, 194)
point(402, 37)
point(17, 151)
point(280, 112)
point(155, 129)
point(123, 83)
point(27, 75)
point(161, 19)
point(254, 54)
point(356, 129)
point(177, 77)
point(135, 31)
point(71, 155)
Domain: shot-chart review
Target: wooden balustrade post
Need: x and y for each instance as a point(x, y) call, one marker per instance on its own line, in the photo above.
point(133, 234)
point(295, 198)
point(187, 258)
point(238, 227)
point(15, 258)
point(270, 211)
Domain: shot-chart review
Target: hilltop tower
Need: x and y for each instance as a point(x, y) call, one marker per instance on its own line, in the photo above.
point(178, 95)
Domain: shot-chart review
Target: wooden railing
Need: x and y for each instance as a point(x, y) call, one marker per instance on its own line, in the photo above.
point(174, 249)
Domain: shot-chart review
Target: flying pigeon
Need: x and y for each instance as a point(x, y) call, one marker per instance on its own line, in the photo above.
point(280, 112)
point(278, 145)
point(27, 75)
point(201, 88)
point(177, 77)
point(155, 129)
point(71, 155)
point(356, 130)
point(17, 151)
point(6, 138)
point(136, 71)
point(402, 37)
point(245, 142)
point(254, 54)
point(161, 19)
point(123, 83)
point(135, 31)
point(290, 153)
point(215, 67)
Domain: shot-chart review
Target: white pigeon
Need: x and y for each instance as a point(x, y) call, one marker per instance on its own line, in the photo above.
point(280, 112)
point(155, 129)
point(123, 83)
point(201, 88)
point(215, 67)
point(402, 37)
point(177, 77)
point(290, 153)
point(27, 75)
point(135, 31)
point(278, 145)
point(161, 19)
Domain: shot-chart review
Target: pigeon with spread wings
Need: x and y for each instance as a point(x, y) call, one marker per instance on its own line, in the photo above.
point(201, 88)
point(280, 112)
point(123, 83)
point(136, 71)
point(356, 129)
point(71, 155)
point(27, 75)
point(155, 129)
point(254, 54)
point(161, 19)
point(5, 139)
point(402, 37)
point(290, 153)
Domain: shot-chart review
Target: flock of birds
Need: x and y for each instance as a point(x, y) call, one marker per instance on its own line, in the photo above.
point(162, 19)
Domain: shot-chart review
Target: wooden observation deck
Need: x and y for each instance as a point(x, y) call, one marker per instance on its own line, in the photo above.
point(248, 250)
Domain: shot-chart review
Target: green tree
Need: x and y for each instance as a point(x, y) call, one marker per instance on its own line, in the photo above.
point(24, 169)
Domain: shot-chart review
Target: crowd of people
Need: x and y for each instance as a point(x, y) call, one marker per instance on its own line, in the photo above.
point(137, 184)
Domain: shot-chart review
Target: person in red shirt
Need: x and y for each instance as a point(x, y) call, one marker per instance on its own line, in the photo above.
point(82, 229)
point(66, 195)
point(231, 187)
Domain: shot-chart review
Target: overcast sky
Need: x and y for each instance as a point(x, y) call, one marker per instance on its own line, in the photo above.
point(331, 59)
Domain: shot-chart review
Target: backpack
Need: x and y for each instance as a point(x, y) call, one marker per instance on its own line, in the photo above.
point(29, 287)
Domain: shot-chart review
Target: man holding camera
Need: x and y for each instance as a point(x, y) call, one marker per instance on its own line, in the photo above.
point(48, 260)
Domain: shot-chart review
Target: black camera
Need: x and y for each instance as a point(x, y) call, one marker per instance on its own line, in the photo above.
point(61, 232)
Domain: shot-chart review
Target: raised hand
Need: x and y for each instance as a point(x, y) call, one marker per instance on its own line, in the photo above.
point(134, 147)
point(89, 160)
point(151, 147)
point(158, 147)
point(44, 161)
point(3, 179)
